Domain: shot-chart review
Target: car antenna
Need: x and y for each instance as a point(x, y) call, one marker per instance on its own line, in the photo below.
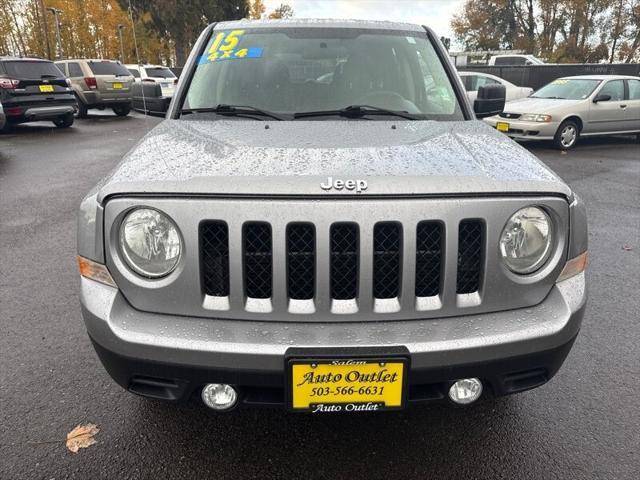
point(135, 44)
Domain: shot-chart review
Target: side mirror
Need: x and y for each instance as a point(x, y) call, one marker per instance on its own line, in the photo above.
point(602, 98)
point(490, 100)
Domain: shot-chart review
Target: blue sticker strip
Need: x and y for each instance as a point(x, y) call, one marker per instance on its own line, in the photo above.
point(239, 54)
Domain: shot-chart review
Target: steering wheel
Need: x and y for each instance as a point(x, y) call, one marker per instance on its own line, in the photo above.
point(435, 95)
point(387, 99)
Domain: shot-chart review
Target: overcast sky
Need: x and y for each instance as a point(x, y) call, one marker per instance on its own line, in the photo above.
point(436, 14)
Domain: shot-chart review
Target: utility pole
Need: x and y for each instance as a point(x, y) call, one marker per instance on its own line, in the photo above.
point(56, 14)
point(120, 28)
point(43, 12)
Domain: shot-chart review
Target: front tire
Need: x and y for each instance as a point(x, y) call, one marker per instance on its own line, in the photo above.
point(567, 135)
point(65, 121)
point(122, 110)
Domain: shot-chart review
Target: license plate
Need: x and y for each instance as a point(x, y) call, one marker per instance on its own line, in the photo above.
point(502, 126)
point(347, 385)
point(118, 86)
point(46, 88)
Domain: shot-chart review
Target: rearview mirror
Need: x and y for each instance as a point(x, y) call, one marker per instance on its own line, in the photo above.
point(602, 98)
point(490, 100)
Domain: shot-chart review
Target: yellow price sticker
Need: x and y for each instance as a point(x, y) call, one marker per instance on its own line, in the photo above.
point(224, 44)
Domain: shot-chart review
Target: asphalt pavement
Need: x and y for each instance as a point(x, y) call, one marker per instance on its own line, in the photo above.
point(584, 424)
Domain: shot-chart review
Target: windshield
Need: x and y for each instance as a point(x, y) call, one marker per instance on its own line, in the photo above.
point(32, 69)
point(108, 68)
point(159, 72)
point(566, 88)
point(292, 70)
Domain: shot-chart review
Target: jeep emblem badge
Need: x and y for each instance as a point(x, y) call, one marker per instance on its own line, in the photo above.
point(358, 185)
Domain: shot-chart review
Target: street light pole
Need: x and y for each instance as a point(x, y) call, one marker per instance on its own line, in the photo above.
point(56, 14)
point(43, 12)
point(120, 28)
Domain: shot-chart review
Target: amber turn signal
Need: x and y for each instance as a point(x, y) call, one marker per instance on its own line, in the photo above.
point(95, 271)
point(574, 266)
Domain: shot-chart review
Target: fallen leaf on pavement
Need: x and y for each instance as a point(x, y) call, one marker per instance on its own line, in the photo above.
point(627, 248)
point(82, 437)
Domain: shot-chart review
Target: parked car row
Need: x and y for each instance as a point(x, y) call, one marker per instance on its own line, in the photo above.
point(33, 89)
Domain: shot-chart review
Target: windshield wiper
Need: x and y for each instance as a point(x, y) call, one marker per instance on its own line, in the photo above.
point(356, 111)
point(230, 110)
point(48, 75)
point(551, 98)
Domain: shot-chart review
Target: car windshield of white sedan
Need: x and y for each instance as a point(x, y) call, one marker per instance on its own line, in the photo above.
point(295, 72)
point(567, 89)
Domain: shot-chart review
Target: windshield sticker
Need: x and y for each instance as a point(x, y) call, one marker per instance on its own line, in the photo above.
point(225, 47)
point(560, 81)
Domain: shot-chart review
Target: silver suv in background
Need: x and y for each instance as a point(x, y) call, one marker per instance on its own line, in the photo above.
point(99, 84)
point(155, 74)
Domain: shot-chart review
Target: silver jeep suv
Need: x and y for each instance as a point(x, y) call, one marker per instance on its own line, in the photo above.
point(321, 223)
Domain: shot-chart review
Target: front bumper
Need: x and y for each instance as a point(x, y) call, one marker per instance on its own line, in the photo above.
point(526, 130)
point(169, 357)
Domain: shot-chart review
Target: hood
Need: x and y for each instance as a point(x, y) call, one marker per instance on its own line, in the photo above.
point(539, 105)
point(248, 157)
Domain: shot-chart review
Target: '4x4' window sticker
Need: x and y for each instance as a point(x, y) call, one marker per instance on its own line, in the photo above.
point(224, 46)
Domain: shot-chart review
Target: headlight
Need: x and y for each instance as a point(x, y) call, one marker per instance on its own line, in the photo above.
point(535, 117)
point(525, 243)
point(150, 242)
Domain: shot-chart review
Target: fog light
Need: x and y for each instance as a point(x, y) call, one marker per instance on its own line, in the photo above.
point(465, 391)
point(219, 396)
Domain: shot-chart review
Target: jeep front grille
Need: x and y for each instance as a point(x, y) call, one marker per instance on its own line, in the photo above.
point(428, 258)
point(344, 248)
point(214, 250)
point(470, 246)
point(344, 261)
point(337, 260)
point(387, 249)
point(258, 277)
point(301, 261)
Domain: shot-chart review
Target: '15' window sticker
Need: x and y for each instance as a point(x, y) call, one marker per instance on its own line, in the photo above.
point(224, 46)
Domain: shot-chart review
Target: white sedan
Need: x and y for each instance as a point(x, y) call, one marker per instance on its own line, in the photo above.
point(474, 80)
